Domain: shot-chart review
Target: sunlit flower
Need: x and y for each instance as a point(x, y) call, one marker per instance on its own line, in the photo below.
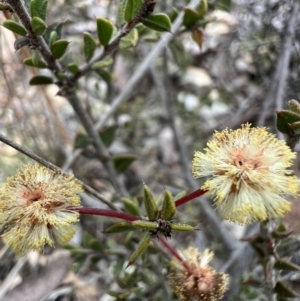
point(194, 280)
point(36, 209)
point(248, 176)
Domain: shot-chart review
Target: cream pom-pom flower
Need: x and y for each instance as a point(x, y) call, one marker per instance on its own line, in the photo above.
point(37, 208)
point(194, 280)
point(248, 176)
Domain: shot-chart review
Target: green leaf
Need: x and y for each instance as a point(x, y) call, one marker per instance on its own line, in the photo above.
point(202, 8)
point(81, 141)
point(91, 242)
point(294, 106)
point(131, 206)
point(158, 22)
point(59, 48)
point(150, 204)
point(73, 68)
point(168, 208)
point(105, 75)
point(4, 7)
point(49, 36)
point(107, 135)
point(120, 12)
point(14, 27)
point(173, 14)
point(38, 8)
point(190, 17)
point(40, 80)
point(129, 40)
point(38, 26)
point(119, 227)
point(284, 119)
point(131, 9)
point(224, 5)
point(295, 126)
point(52, 37)
point(35, 63)
point(104, 30)
point(103, 63)
point(142, 247)
point(122, 162)
point(89, 45)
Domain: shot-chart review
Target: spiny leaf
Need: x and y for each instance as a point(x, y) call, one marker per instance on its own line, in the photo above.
point(283, 290)
point(38, 8)
point(104, 30)
point(286, 265)
point(144, 225)
point(14, 27)
point(158, 22)
point(168, 208)
point(182, 227)
point(150, 204)
point(142, 247)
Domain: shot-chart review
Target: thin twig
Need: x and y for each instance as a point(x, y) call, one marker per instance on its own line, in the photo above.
point(206, 211)
point(21, 11)
point(143, 67)
point(280, 76)
point(5, 286)
point(53, 167)
point(96, 140)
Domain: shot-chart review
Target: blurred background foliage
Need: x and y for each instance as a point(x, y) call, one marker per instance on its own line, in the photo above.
point(223, 70)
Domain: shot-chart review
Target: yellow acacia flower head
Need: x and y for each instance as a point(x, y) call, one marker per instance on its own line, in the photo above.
point(36, 209)
point(194, 280)
point(248, 174)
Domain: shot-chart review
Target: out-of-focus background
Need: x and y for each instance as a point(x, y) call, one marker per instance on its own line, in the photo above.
point(245, 67)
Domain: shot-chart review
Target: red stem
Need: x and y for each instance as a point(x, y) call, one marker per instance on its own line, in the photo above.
point(174, 253)
point(110, 213)
point(190, 197)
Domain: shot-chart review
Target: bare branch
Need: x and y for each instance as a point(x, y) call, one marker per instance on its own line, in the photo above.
point(280, 76)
